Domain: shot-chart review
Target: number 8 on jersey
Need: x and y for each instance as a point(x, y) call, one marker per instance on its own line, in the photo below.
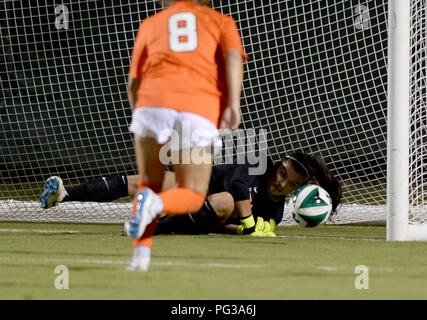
point(182, 32)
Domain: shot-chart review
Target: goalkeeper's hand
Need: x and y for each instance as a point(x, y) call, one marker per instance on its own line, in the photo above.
point(270, 226)
point(240, 230)
point(266, 227)
point(260, 229)
point(248, 227)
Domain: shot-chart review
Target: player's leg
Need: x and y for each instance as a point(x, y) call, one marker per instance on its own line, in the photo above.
point(146, 203)
point(192, 160)
point(192, 184)
point(169, 182)
point(151, 127)
point(188, 196)
point(192, 175)
point(133, 184)
point(148, 126)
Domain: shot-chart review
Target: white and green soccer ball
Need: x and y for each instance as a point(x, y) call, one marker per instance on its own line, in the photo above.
point(310, 205)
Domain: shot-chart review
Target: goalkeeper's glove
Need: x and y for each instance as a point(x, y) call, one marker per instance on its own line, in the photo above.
point(248, 227)
point(269, 226)
point(266, 227)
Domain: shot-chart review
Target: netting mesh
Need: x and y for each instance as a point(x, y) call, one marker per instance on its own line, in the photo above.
point(418, 114)
point(316, 81)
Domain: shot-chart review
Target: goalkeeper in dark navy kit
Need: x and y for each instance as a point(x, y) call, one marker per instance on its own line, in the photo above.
point(233, 193)
point(260, 197)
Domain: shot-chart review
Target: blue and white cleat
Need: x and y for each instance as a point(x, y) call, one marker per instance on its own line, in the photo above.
point(54, 192)
point(148, 206)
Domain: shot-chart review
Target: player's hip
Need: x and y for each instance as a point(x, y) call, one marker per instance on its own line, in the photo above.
point(184, 130)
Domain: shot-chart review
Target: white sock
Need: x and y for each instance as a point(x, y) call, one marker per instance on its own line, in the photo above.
point(142, 252)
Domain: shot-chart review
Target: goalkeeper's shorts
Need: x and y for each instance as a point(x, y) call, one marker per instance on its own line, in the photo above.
point(204, 220)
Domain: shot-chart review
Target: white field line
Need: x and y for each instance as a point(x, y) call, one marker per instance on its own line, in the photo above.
point(215, 234)
point(123, 262)
point(38, 231)
point(294, 236)
point(180, 263)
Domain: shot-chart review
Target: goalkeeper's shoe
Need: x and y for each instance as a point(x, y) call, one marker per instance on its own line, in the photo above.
point(148, 206)
point(54, 192)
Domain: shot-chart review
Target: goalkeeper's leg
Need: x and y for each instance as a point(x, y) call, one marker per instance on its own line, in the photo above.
point(100, 189)
point(215, 211)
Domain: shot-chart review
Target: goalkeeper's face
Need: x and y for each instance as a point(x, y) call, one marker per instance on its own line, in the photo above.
point(285, 180)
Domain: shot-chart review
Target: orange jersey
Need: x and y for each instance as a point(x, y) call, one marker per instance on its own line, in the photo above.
point(179, 56)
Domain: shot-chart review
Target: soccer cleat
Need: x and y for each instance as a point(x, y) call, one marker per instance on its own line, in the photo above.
point(147, 203)
point(54, 192)
point(139, 264)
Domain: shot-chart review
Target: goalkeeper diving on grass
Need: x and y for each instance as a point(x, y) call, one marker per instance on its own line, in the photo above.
point(231, 187)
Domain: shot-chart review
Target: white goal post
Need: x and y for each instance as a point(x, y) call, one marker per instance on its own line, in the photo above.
point(407, 120)
point(323, 77)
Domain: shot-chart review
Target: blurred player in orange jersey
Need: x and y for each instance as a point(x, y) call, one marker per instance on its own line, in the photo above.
point(185, 82)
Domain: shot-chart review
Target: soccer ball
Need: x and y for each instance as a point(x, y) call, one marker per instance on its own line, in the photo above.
point(310, 205)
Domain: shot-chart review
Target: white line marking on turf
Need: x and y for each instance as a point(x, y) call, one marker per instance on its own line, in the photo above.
point(178, 263)
point(38, 231)
point(329, 268)
point(326, 237)
point(153, 263)
point(216, 234)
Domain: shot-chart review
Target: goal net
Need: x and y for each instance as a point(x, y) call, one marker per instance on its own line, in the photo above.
point(316, 81)
point(418, 114)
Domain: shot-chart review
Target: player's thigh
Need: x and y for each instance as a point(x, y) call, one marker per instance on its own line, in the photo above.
point(193, 157)
point(193, 176)
point(152, 127)
point(169, 180)
point(133, 184)
point(150, 168)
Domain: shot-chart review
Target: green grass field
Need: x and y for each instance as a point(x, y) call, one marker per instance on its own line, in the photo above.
point(300, 263)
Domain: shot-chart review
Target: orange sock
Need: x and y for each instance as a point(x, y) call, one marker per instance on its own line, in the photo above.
point(181, 201)
point(147, 237)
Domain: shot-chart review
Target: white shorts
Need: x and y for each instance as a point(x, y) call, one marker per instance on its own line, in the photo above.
point(183, 130)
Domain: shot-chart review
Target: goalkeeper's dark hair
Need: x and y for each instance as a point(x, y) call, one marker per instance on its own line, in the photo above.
point(315, 169)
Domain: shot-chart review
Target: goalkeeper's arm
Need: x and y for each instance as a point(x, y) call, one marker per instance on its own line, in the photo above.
point(244, 211)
